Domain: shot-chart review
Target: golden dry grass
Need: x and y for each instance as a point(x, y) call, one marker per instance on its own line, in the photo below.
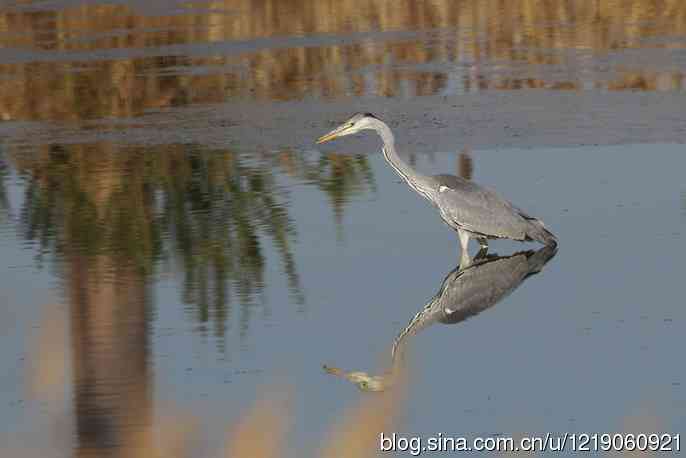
point(510, 32)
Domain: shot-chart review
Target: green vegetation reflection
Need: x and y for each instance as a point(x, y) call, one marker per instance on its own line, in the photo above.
point(207, 214)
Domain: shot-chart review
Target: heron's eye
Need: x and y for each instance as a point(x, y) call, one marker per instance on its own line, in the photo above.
point(364, 384)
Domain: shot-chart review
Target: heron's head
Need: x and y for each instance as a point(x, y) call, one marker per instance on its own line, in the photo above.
point(367, 382)
point(356, 123)
point(363, 380)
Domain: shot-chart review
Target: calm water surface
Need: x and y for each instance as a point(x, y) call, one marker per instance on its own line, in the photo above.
point(174, 247)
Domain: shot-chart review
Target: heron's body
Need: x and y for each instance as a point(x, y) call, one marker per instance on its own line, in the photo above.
point(483, 213)
point(472, 210)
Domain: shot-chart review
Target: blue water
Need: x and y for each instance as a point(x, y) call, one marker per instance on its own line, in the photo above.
point(591, 342)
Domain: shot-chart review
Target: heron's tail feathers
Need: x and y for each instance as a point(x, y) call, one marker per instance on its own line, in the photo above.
point(540, 258)
point(540, 233)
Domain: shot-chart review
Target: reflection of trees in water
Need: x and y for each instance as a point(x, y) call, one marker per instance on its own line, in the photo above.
point(217, 209)
point(340, 177)
point(110, 217)
point(209, 209)
point(213, 212)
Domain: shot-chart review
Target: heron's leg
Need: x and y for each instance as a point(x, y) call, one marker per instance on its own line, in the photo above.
point(465, 260)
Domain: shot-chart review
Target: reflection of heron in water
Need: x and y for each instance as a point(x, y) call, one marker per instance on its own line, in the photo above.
point(465, 292)
point(472, 210)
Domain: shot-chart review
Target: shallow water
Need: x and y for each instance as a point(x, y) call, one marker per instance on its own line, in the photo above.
point(175, 246)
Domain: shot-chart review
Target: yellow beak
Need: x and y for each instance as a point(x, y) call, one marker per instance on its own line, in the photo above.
point(337, 132)
point(325, 138)
point(334, 371)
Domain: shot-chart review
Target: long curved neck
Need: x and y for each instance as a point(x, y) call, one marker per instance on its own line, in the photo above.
point(420, 183)
point(425, 317)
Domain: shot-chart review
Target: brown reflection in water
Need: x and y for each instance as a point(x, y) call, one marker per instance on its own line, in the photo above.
point(107, 342)
point(108, 296)
point(465, 164)
point(110, 309)
point(47, 373)
point(106, 60)
point(267, 417)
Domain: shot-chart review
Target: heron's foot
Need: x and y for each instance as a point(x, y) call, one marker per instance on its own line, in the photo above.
point(482, 254)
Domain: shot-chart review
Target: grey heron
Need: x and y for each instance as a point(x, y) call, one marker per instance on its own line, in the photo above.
point(464, 292)
point(472, 210)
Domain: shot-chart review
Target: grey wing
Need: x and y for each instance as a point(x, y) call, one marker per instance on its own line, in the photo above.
point(478, 209)
point(483, 285)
